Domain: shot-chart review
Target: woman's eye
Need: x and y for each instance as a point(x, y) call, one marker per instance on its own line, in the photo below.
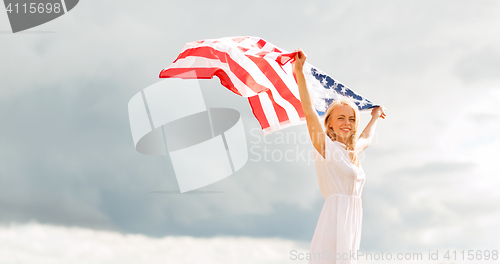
point(353, 120)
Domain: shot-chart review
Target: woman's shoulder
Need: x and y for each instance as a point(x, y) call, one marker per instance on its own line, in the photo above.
point(334, 143)
point(334, 148)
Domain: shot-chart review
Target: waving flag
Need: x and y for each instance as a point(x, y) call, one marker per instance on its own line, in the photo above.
point(254, 68)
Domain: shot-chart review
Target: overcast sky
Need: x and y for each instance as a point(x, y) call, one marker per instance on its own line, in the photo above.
point(67, 157)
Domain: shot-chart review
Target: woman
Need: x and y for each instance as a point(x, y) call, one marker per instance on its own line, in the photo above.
point(340, 175)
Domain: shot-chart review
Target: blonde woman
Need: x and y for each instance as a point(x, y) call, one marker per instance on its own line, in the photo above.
point(340, 175)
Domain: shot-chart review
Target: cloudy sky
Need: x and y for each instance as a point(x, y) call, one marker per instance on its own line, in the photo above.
point(68, 167)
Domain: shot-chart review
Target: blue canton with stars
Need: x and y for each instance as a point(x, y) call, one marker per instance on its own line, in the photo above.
point(329, 83)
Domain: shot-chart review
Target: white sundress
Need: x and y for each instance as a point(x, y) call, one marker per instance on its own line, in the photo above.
point(338, 232)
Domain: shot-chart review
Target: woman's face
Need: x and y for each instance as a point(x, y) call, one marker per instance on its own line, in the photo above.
point(342, 122)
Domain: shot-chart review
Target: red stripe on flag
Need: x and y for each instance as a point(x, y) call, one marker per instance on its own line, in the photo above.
point(258, 112)
point(286, 57)
point(280, 111)
point(278, 83)
point(200, 73)
point(261, 43)
point(243, 49)
point(211, 53)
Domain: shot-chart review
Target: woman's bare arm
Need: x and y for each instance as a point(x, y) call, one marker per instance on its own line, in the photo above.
point(366, 136)
point(312, 118)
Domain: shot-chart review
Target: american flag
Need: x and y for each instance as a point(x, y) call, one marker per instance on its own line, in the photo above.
point(254, 68)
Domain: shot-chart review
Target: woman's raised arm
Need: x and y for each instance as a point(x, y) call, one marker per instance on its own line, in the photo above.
point(366, 136)
point(312, 118)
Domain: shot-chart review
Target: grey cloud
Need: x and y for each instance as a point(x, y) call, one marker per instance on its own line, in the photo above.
point(414, 199)
point(77, 147)
point(480, 66)
point(484, 118)
point(49, 206)
point(433, 169)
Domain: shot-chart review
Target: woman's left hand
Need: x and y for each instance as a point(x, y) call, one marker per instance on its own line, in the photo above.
point(378, 111)
point(300, 59)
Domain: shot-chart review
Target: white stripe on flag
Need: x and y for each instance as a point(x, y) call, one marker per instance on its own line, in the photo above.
point(201, 62)
point(267, 107)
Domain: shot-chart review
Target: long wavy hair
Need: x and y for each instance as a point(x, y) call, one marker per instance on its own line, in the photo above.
point(351, 141)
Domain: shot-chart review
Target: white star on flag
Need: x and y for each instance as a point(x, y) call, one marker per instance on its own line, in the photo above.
point(343, 89)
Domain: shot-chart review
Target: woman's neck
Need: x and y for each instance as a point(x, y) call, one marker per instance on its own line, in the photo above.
point(342, 140)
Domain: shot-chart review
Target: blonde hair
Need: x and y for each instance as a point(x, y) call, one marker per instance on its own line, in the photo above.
point(351, 141)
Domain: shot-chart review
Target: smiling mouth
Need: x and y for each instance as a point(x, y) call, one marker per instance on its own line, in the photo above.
point(345, 129)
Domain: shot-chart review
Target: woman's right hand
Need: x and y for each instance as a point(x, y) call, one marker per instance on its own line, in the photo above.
point(300, 59)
